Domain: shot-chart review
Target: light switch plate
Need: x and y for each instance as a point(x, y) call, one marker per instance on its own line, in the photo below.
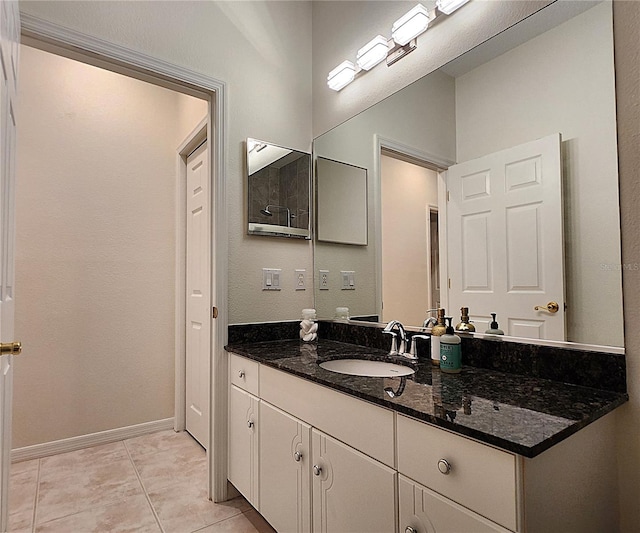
point(300, 279)
point(323, 280)
point(271, 279)
point(348, 280)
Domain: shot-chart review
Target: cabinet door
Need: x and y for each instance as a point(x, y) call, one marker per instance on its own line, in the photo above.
point(425, 511)
point(243, 443)
point(351, 491)
point(285, 469)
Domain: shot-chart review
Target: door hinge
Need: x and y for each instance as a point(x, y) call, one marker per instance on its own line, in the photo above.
point(448, 196)
point(449, 282)
point(214, 312)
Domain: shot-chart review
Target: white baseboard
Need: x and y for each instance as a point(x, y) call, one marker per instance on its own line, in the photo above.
point(86, 441)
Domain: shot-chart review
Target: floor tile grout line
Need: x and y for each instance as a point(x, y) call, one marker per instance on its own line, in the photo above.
point(144, 489)
point(34, 515)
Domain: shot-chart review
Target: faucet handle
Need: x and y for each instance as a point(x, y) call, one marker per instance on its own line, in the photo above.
point(413, 351)
point(394, 341)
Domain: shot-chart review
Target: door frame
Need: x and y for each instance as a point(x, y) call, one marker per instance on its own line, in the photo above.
point(197, 136)
point(425, 159)
point(68, 43)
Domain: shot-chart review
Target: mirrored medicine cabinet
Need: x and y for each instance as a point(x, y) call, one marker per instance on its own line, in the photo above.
point(278, 190)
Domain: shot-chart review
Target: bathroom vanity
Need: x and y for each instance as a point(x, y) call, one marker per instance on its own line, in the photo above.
point(315, 450)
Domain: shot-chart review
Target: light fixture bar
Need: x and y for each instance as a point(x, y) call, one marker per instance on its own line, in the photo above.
point(341, 76)
point(449, 6)
point(397, 51)
point(411, 24)
point(372, 53)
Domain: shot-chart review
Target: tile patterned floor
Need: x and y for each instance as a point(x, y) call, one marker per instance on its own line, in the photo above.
point(150, 484)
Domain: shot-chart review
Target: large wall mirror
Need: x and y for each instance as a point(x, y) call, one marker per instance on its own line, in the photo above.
point(278, 190)
point(549, 77)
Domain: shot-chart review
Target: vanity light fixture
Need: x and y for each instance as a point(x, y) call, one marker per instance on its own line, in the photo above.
point(449, 6)
point(404, 32)
point(411, 24)
point(372, 53)
point(341, 76)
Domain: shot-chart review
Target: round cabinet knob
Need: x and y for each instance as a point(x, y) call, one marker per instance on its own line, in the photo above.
point(444, 467)
point(409, 529)
point(297, 456)
point(316, 470)
point(241, 374)
point(249, 423)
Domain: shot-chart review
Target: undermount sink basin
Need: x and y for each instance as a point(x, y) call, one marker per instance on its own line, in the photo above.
point(362, 367)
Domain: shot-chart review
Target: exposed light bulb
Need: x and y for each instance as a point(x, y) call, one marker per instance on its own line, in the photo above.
point(410, 25)
point(449, 6)
point(341, 76)
point(372, 53)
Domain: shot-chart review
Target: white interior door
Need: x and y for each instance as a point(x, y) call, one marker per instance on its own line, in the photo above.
point(198, 320)
point(9, 39)
point(505, 236)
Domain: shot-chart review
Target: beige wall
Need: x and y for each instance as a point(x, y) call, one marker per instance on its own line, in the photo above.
point(262, 51)
point(95, 248)
point(626, 22)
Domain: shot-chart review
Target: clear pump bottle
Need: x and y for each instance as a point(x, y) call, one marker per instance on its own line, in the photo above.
point(436, 332)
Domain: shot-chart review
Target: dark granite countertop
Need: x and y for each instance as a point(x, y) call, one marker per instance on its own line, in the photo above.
point(521, 414)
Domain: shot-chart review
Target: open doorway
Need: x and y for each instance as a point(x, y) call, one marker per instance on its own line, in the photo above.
point(410, 243)
point(97, 248)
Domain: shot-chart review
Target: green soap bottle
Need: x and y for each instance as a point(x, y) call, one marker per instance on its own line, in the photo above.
point(450, 351)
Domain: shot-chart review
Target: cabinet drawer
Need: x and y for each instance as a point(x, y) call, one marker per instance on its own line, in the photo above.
point(243, 373)
point(482, 478)
point(362, 425)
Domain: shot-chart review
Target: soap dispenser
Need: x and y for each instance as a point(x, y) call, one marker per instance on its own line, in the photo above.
point(464, 324)
point(494, 329)
point(436, 332)
point(450, 351)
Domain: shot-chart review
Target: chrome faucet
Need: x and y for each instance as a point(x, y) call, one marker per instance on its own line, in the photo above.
point(398, 338)
point(430, 321)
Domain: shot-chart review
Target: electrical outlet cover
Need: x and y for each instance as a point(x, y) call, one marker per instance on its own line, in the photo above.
point(323, 280)
point(300, 279)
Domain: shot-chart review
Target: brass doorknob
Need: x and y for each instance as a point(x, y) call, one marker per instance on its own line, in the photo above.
point(10, 348)
point(552, 307)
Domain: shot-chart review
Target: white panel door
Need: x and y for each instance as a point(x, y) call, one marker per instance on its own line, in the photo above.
point(198, 320)
point(9, 40)
point(505, 239)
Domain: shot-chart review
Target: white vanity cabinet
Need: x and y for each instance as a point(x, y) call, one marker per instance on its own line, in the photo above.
point(285, 470)
point(351, 491)
point(312, 459)
point(243, 423)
